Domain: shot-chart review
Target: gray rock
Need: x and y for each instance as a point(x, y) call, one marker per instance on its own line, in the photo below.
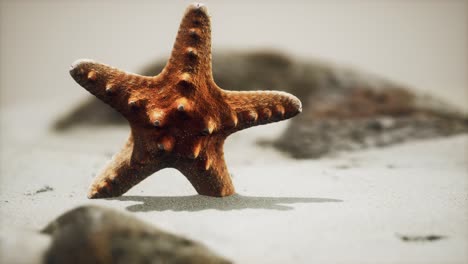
point(92, 234)
point(309, 138)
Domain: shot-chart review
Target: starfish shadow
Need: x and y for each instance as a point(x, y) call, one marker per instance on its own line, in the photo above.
point(199, 202)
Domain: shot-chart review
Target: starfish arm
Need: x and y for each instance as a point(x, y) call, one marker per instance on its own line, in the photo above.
point(209, 174)
point(191, 53)
point(261, 107)
point(111, 85)
point(124, 171)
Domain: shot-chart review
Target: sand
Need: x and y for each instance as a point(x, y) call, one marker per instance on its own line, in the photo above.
point(351, 208)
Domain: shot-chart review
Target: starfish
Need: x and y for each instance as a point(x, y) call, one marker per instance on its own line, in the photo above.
point(179, 118)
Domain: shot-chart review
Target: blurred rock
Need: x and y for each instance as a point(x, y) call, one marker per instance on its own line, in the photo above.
point(46, 188)
point(91, 234)
point(362, 117)
point(420, 238)
point(309, 138)
point(342, 109)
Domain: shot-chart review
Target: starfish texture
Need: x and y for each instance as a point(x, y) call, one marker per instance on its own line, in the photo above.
point(179, 118)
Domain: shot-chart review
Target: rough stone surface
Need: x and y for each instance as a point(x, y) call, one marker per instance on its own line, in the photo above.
point(92, 234)
point(312, 138)
point(343, 109)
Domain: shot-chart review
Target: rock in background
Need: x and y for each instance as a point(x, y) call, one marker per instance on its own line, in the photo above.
point(342, 109)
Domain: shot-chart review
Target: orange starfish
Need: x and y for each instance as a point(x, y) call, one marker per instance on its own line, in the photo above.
point(179, 118)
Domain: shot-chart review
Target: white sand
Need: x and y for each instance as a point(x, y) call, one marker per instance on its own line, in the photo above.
point(347, 209)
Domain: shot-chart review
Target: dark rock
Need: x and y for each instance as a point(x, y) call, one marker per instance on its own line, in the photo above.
point(313, 138)
point(342, 109)
point(420, 238)
point(91, 234)
point(46, 188)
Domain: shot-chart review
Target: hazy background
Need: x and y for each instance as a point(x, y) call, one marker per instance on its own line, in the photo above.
point(419, 43)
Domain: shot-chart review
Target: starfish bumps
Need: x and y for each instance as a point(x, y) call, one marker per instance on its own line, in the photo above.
point(179, 118)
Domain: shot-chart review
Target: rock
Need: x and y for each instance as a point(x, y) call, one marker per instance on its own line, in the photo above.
point(420, 238)
point(46, 188)
point(343, 109)
point(310, 138)
point(92, 234)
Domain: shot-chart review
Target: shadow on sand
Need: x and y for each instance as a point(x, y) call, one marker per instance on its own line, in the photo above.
point(199, 202)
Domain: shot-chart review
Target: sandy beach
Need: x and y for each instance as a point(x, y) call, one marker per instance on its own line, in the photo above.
point(350, 208)
point(405, 203)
